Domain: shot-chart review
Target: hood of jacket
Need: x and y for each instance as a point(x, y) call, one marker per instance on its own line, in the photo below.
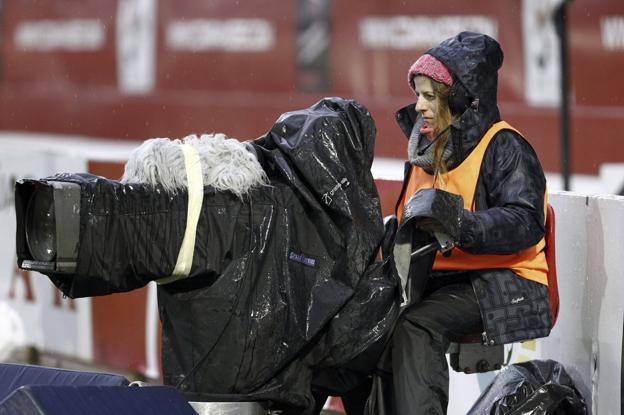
point(474, 60)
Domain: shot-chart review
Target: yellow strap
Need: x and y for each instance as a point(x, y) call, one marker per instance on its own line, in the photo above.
point(195, 185)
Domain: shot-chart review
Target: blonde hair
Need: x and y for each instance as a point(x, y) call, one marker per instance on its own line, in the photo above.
point(443, 119)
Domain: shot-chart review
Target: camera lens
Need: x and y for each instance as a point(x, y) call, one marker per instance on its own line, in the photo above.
point(41, 225)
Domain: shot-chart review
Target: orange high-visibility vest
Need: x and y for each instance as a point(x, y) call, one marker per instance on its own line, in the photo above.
point(462, 180)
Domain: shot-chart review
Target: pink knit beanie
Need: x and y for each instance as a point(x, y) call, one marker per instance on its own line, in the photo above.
point(429, 66)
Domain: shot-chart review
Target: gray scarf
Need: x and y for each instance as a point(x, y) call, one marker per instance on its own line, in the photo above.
point(424, 159)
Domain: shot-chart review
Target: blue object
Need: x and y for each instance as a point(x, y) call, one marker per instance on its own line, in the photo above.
point(95, 400)
point(13, 376)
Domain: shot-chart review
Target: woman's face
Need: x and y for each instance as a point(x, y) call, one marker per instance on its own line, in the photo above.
point(426, 104)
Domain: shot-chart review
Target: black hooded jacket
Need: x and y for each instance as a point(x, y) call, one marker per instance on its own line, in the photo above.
point(509, 199)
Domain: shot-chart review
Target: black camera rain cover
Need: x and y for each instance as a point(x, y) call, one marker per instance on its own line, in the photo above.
point(270, 273)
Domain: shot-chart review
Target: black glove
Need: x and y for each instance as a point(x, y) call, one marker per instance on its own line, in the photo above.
point(434, 210)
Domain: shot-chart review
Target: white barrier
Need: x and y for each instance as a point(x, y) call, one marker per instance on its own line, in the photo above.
point(590, 262)
point(587, 338)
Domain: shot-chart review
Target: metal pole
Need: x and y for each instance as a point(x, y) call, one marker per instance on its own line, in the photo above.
point(560, 17)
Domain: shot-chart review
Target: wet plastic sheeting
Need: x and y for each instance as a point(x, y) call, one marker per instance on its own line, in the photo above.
point(270, 273)
point(359, 325)
point(536, 387)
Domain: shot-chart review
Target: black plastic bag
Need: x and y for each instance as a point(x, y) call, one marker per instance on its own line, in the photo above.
point(536, 387)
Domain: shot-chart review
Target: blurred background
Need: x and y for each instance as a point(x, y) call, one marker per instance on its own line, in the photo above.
point(84, 82)
point(135, 69)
